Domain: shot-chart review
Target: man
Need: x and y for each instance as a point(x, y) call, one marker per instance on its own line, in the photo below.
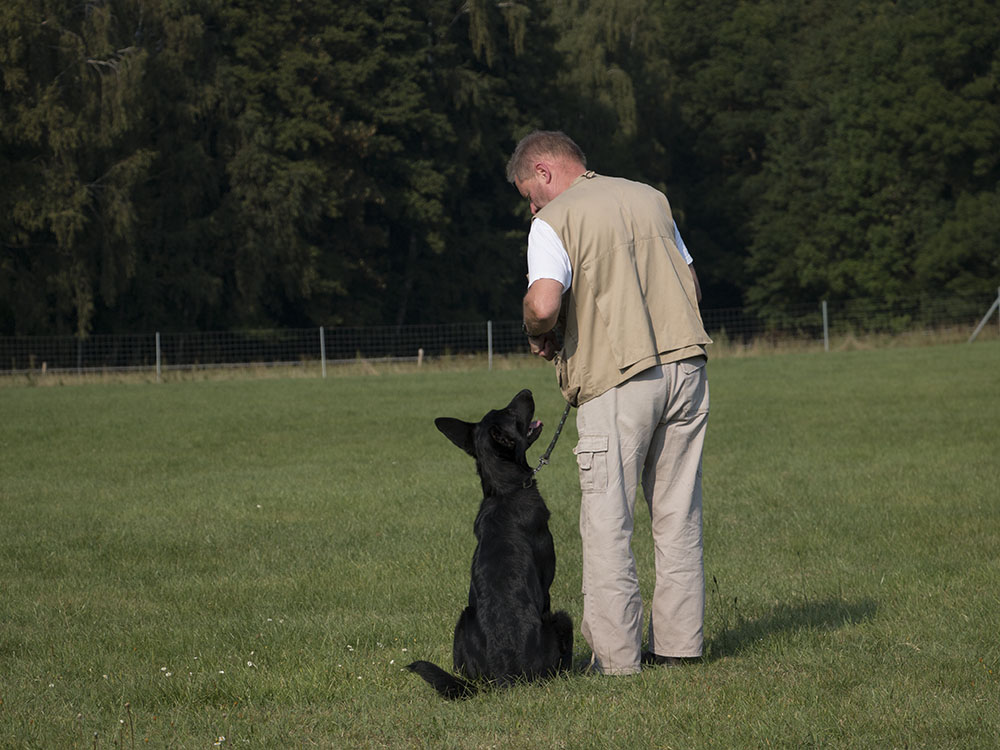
point(614, 301)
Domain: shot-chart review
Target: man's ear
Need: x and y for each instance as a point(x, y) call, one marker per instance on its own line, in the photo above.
point(543, 171)
point(458, 432)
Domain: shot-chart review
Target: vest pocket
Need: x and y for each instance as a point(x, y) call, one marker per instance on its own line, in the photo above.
point(592, 460)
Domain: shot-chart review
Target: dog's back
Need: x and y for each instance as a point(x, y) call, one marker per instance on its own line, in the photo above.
point(508, 631)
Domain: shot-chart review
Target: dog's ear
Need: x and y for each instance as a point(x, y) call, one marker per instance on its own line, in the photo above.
point(502, 438)
point(458, 432)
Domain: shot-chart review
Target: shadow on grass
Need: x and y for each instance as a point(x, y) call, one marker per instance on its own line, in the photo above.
point(820, 614)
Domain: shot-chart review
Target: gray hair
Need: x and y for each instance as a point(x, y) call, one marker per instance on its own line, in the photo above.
point(552, 143)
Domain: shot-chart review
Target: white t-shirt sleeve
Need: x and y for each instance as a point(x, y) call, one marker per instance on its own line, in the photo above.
point(547, 258)
point(681, 246)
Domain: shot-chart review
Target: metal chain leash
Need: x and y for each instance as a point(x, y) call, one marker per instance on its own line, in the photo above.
point(548, 451)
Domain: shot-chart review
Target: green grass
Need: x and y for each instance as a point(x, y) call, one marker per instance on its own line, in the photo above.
point(257, 560)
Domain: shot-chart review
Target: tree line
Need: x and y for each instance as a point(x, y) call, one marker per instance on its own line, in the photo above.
point(222, 164)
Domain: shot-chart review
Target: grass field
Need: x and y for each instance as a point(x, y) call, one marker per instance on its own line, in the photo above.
point(250, 563)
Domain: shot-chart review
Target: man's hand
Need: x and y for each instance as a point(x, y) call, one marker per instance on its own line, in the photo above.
point(546, 345)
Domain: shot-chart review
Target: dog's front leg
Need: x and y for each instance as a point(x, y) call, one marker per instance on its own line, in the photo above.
point(469, 649)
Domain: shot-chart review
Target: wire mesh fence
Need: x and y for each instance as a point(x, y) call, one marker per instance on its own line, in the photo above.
point(254, 348)
point(858, 317)
point(331, 346)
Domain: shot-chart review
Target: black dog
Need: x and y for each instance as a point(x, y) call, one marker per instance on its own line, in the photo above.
point(507, 633)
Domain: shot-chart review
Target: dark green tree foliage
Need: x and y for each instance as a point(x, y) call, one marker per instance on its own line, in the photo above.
point(490, 66)
point(602, 47)
point(885, 142)
point(730, 59)
point(185, 279)
point(71, 160)
point(454, 228)
point(294, 157)
point(212, 164)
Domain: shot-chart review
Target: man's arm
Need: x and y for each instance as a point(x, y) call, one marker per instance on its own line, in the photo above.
point(697, 286)
point(541, 306)
point(679, 241)
point(541, 312)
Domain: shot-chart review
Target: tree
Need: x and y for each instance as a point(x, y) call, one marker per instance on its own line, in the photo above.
point(72, 162)
point(214, 164)
point(482, 71)
point(883, 143)
point(729, 60)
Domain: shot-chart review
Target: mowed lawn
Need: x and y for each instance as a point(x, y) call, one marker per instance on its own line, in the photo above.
point(251, 563)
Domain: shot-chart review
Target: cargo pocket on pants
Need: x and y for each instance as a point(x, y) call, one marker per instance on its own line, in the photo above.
point(592, 460)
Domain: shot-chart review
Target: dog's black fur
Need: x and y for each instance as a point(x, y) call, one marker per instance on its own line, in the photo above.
point(508, 632)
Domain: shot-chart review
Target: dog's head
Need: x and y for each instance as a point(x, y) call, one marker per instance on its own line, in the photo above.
point(504, 434)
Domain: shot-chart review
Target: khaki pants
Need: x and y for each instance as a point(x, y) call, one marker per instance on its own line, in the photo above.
point(651, 427)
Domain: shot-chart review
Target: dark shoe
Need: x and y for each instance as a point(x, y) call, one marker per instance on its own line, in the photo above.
point(587, 666)
point(650, 659)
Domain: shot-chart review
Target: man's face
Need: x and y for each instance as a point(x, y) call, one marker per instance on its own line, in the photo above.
point(534, 190)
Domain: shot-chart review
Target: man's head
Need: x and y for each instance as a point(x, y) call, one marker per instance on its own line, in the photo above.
point(544, 164)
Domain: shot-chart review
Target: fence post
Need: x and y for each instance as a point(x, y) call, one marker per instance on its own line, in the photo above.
point(322, 349)
point(158, 357)
point(489, 342)
point(986, 317)
point(826, 329)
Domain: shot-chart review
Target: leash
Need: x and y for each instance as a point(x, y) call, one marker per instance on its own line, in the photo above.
point(544, 460)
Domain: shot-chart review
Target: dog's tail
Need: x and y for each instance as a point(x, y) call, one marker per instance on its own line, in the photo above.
point(448, 685)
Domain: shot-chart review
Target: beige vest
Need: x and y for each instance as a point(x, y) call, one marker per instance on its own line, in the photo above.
point(632, 303)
